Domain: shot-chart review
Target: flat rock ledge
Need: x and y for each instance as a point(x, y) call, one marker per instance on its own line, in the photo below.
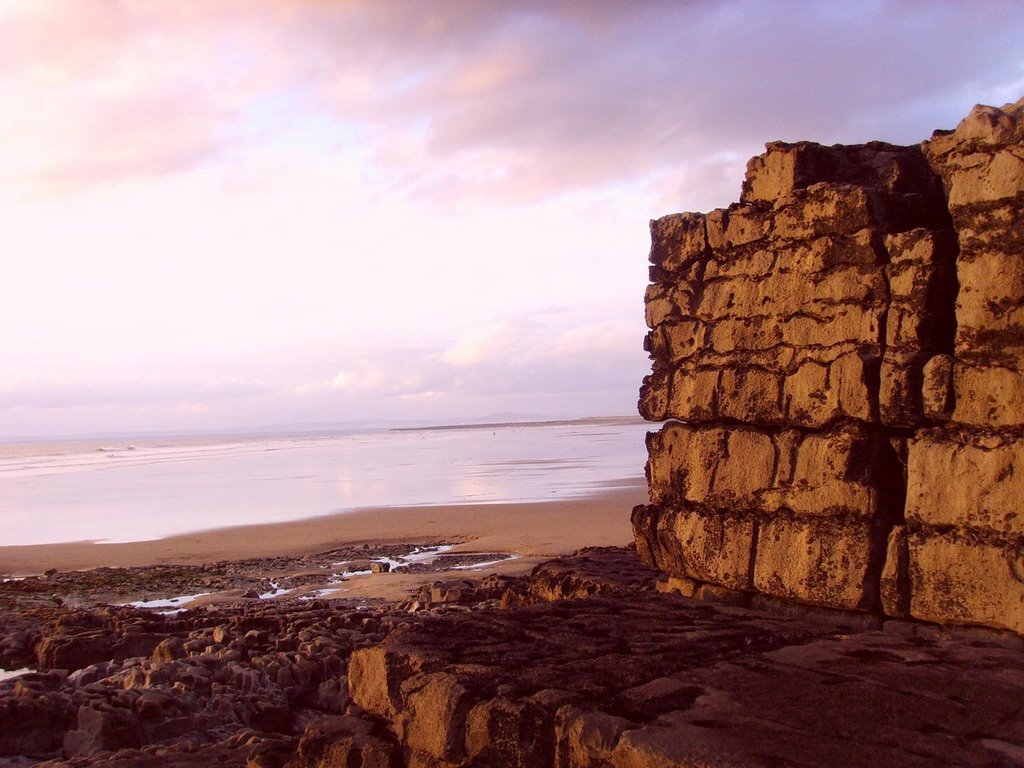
point(583, 663)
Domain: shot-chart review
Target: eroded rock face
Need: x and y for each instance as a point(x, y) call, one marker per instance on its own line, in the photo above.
point(249, 682)
point(846, 348)
point(622, 677)
point(581, 664)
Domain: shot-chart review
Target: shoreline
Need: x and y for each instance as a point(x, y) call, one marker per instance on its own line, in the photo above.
point(531, 530)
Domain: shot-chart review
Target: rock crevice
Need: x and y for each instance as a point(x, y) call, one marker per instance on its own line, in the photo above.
point(839, 360)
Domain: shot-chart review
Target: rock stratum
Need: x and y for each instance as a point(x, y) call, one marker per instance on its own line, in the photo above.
point(840, 361)
point(582, 664)
point(836, 492)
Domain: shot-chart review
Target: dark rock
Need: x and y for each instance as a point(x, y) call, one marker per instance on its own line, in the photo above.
point(32, 725)
point(652, 679)
point(74, 651)
point(100, 730)
point(343, 741)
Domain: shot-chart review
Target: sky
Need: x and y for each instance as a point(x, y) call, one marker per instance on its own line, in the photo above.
point(230, 214)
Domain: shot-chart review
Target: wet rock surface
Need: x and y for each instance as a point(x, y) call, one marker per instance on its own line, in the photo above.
point(230, 579)
point(588, 664)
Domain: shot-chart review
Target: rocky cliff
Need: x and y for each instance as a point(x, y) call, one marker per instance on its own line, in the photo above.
point(839, 358)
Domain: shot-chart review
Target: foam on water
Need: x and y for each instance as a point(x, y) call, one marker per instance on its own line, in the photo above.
point(170, 602)
point(8, 674)
point(275, 591)
point(508, 558)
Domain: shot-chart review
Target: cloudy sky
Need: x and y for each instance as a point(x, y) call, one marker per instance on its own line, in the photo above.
point(230, 213)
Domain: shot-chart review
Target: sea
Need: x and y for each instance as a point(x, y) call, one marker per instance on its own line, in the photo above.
point(121, 490)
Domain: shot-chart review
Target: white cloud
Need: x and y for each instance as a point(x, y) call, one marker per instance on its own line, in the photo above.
point(261, 211)
point(498, 340)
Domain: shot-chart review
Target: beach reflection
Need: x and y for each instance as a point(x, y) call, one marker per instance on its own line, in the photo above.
point(154, 488)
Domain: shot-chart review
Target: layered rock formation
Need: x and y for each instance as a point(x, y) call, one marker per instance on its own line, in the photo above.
point(580, 665)
point(614, 675)
point(840, 359)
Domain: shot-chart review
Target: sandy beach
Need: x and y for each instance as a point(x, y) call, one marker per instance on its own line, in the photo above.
point(532, 531)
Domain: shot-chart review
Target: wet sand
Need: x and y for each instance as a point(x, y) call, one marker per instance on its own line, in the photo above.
point(531, 530)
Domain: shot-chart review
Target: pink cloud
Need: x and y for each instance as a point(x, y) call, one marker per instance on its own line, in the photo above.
point(487, 100)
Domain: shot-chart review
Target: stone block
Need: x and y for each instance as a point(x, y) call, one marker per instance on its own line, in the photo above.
point(967, 481)
point(808, 398)
point(984, 126)
point(833, 325)
point(754, 395)
point(753, 261)
point(994, 227)
point(857, 299)
point(991, 281)
point(644, 519)
point(500, 731)
point(654, 398)
point(683, 339)
point(853, 375)
point(847, 471)
point(778, 172)
point(923, 287)
point(982, 177)
point(735, 226)
point(920, 246)
point(829, 562)
point(904, 328)
point(786, 168)
point(822, 210)
point(337, 740)
point(743, 471)
point(741, 335)
point(714, 548)
point(899, 395)
point(679, 241)
point(713, 593)
point(685, 541)
point(99, 730)
point(780, 295)
point(960, 580)
point(895, 584)
point(728, 297)
point(374, 681)
point(990, 309)
point(586, 738)
point(937, 387)
point(862, 248)
point(683, 461)
point(658, 305)
point(988, 396)
point(842, 473)
point(432, 720)
point(693, 394)
point(862, 286)
point(678, 585)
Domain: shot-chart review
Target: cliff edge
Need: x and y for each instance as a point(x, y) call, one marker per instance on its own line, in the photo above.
point(839, 358)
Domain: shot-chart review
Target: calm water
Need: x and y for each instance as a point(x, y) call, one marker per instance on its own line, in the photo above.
point(150, 488)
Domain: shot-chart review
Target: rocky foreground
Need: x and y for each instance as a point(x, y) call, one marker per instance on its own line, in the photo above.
point(582, 663)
